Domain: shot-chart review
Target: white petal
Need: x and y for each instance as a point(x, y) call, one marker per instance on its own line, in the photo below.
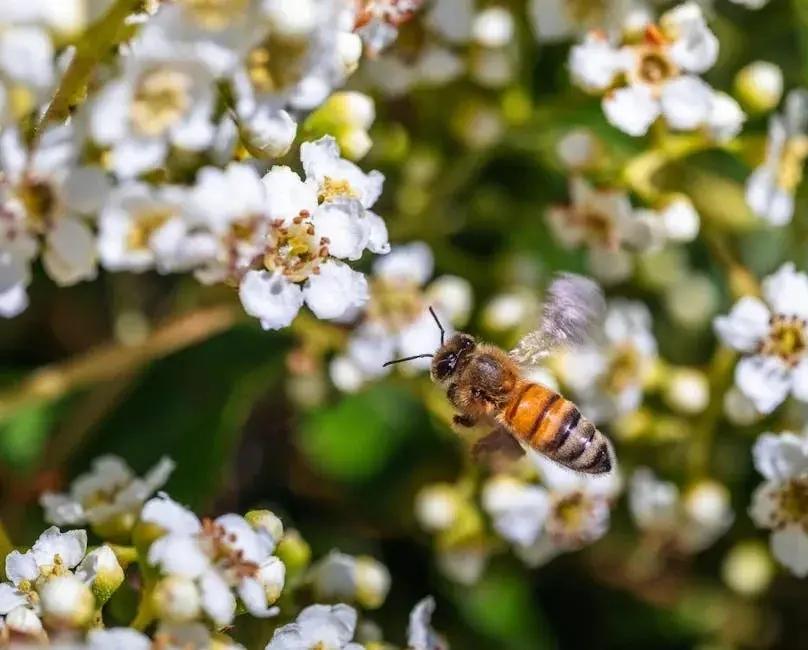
point(287, 195)
point(10, 598)
point(686, 102)
point(696, 49)
point(799, 379)
point(745, 326)
point(726, 117)
point(787, 291)
point(70, 254)
point(170, 515)
point(790, 547)
point(767, 199)
point(117, 638)
point(252, 594)
point(133, 156)
point(26, 55)
point(179, 554)
point(273, 132)
point(343, 223)
point(413, 262)
point(632, 109)
point(21, 566)
point(764, 380)
point(108, 113)
point(335, 290)
point(62, 509)
point(86, 189)
point(271, 298)
point(779, 457)
point(13, 301)
point(70, 546)
point(378, 239)
point(595, 63)
point(217, 600)
point(420, 636)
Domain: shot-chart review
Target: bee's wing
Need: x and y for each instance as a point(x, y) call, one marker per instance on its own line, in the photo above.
point(574, 305)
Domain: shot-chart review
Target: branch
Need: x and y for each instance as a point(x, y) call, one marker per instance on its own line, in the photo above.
point(114, 359)
point(97, 41)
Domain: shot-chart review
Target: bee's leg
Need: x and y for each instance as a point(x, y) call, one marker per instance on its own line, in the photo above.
point(499, 440)
point(464, 420)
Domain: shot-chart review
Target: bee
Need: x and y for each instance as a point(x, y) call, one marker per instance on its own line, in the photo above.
point(487, 385)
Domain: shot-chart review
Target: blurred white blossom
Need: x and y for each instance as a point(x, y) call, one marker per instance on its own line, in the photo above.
point(781, 502)
point(771, 336)
point(771, 187)
point(318, 626)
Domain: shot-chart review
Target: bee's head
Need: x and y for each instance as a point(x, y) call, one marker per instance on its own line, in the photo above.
point(451, 356)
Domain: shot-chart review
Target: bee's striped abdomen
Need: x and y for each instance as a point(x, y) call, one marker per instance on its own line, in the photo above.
point(554, 426)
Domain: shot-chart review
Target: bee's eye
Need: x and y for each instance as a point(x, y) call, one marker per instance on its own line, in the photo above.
point(445, 366)
point(466, 343)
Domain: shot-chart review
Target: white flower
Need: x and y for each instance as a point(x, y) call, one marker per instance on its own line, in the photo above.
point(660, 74)
point(680, 220)
point(46, 195)
point(377, 21)
point(690, 522)
point(221, 556)
point(339, 577)
point(604, 222)
point(518, 510)
point(318, 626)
point(781, 502)
point(608, 376)
point(27, 70)
point(304, 229)
point(109, 491)
point(437, 506)
point(771, 187)
point(396, 321)
point(577, 508)
point(772, 337)
point(163, 98)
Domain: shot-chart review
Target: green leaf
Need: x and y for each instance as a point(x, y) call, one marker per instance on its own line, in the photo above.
point(23, 436)
point(501, 606)
point(354, 440)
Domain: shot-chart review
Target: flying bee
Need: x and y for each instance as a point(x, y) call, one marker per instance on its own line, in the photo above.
point(487, 385)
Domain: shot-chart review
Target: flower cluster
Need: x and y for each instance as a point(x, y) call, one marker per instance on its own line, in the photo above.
point(195, 575)
point(651, 71)
point(146, 174)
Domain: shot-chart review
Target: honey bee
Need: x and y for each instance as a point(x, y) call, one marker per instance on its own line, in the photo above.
point(487, 385)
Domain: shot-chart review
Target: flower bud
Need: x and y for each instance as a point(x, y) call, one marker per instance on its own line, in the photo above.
point(291, 19)
point(451, 295)
point(692, 301)
point(687, 391)
point(579, 149)
point(747, 568)
point(266, 521)
point(349, 47)
point(739, 409)
point(759, 86)
point(272, 576)
point(176, 599)
point(680, 219)
point(707, 502)
point(102, 572)
point(294, 552)
point(493, 27)
point(372, 582)
point(66, 602)
point(268, 134)
point(436, 507)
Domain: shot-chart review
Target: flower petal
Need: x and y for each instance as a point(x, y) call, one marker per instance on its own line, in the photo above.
point(779, 457)
point(790, 547)
point(217, 599)
point(632, 109)
point(70, 546)
point(271, 298)
point(21, 566)
point(764, 380)
point(787, 291)
point(686, 102)
point(170, 515)
point(335, 290)
point(745, 326)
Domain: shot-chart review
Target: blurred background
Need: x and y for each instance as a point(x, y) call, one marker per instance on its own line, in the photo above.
point(152, 365)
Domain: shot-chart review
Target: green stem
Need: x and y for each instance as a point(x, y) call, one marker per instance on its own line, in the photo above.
point(96, 42)
point(145, 614)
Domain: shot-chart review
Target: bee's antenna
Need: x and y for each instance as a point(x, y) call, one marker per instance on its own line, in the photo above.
point(440, 327)
point(417, 356)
